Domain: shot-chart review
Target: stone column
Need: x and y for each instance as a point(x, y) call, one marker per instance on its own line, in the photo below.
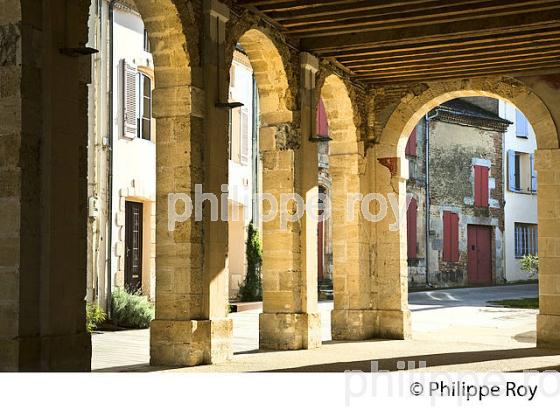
point(389, 247)
point(290, 318)
point(11, 235)
point(191, 325)
point(43, 138)
point(547, 163)
point(353, 317)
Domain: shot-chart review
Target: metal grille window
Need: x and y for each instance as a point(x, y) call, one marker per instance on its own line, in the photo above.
point(526, 240)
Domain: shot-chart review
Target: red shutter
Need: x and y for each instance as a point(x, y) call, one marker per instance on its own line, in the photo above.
point(321, 119)
point(455, 237)
point(480, 186)
point(450, 237)
point(411, 144)
point(411, 215)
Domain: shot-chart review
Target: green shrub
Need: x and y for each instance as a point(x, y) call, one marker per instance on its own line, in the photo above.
point(94, 316)
point(131, 309)
point(530, 264)
point(251, 288)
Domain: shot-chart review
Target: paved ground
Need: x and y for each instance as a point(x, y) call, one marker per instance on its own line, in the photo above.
point(453, 330)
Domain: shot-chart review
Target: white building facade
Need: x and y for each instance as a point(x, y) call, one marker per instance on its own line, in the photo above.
point(121, 154)
point(520, 193)
point(241, 167)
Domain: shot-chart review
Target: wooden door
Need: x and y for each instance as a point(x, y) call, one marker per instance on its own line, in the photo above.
point(479, 242)
point(133, 245)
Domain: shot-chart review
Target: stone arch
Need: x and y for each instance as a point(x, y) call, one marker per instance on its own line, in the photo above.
point(416, 104)
point(389, 173)
point(169, 24)
point(276, 98)
point(341, 116)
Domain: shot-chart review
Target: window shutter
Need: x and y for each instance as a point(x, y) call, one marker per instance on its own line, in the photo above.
point(511, 170)
point(484, 186)
point(454, 237)
point(411, 221)
point(411, 145)
point(480, 186)
point(521, 125)
point(450, 237)
point(533, 174)
point(446, 236)
point(476, 186)
point(244, 136)
point(129, 109)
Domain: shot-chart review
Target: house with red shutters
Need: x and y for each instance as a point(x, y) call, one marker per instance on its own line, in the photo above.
point(455, 220)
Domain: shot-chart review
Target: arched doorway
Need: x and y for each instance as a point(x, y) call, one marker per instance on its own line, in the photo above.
point(391, 149)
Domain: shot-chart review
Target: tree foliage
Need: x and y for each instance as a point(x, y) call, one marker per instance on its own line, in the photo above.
point(251, 288)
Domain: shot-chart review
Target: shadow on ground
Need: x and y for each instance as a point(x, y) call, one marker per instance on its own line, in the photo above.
point(431, 360)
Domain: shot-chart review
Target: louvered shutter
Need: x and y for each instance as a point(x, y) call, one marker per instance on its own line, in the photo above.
point(521, 125)
point(244, 136)
point(130, 100)
point(511, 170)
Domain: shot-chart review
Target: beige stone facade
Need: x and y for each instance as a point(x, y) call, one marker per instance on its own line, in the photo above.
point(43, 185)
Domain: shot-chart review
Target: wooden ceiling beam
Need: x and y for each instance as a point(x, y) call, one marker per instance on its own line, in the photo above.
point(398, 46)
point(536, 70)
point(380, 6)
point(487, 25)
point(459, 69)
point(438, 60)
point(439, 51)
point(410, 16)
point(268, 6)
point(464, 71)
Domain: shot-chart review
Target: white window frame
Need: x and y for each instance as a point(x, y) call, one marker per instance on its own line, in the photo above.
point(526, 239)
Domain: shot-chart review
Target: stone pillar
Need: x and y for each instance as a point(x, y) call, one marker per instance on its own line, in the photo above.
point(353, 317)
point(11, 235)
point(43, 138)
point(548, 175)
point(290, 318)
point(390, 252)
point(191, 325)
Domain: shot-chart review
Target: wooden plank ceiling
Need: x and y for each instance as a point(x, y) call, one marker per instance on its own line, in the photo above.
point(380, 41)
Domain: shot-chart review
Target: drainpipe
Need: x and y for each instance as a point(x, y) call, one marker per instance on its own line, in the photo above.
point(427, 193)
point(110, 166)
